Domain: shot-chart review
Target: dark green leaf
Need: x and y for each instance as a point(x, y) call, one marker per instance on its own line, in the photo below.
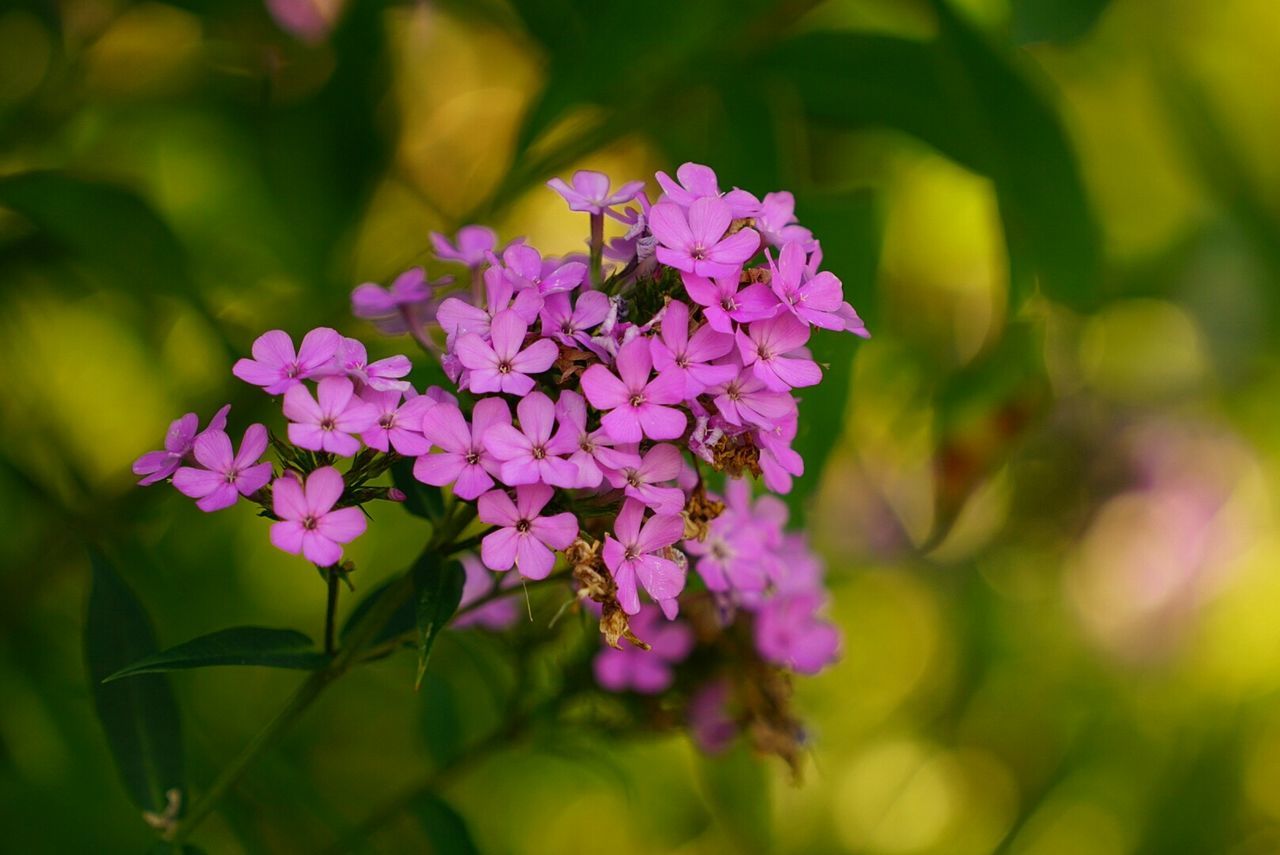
point(736, 787)
point(1054, 20)
point(240, 645)
point(441, 723)
point(162, 848)
point(438, 587)
point(140, 717)
point(401, 622)
point(444, 826)
point(421, 500)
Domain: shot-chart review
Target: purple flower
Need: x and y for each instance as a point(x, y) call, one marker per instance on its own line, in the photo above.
point(730, 559)
point(472, 246)
point(776, 221)
point(524, 268)
point(589, 452)
point(629, 553)
point(352, 360)
point(724, 304)
point(503, 364)
point(590, 192)
point(710, 724)
point(480, 580)
point(157, 465)
point(526, 455)
point(327, 422)
point(457, 316)
point(789, 633)
point(779, 462)
point(309, 526)
point(816, 300)
point(660, 465)
point(695, 241)
point(524, 539)
point(645, 671)
point(675, 352)
point(697, 181)
point(463, 459)
point(765, 346)
point(745, 400)
point(226, 475)
point(398, 425)
point(306, 20)
point(395, 310)
point(637, 405)
point(277, 368)
point(568, 322)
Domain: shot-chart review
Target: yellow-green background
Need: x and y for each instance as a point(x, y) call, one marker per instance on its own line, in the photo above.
point(1047, 517)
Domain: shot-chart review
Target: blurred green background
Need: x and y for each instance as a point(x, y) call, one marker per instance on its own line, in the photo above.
point(1048, 509)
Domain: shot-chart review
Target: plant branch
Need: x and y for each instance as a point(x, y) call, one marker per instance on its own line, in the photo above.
point(330, 609)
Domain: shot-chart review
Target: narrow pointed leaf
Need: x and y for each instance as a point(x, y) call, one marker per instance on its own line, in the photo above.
point(438, 587)
point(240, 645)
point(402, 621)
point(139, 717)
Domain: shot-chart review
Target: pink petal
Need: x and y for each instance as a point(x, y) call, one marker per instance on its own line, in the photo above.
point(634, 363)
point(627, 525)
point(439, 469)
point(341, 444)
point(320, 550)
point(287, 535)
point(197, 483)
point(623, 425)
point(343, 525)
point(318, 347)
point(624, 576)
point(709, 219)
point(795, 373)
point(603, 389)
point(498, 550)
point(252, 446)
point(659, 531)
point(659, 422)
point(213, 450)
point(457, 317)
point(536, 358)
point(558, 531)
point(507, 334)
point(254, 478)
point(324, 488)
point(287, 499)
point(667, 388)
point(299, 406)
point(308, 436)
point(487, 413)
point(669, 225)
point(496, 508)
point(474, 352)
point(472, 481)
point(444, 426)
point(659, 576)
point(274, 349)
point(537, 417)
point(531, 499)
point(533, 559)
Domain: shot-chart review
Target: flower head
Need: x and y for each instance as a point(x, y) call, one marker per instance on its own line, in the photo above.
point(463, 460)
point(524, 267)
point(724, 305)
point(276, 367)
point(225, 475)
point(503, 364)
point(407, 303)
point(524, 539)
point(590, 192)
point(660, 465)
point(526, 453)
point(327, 421)
point(633, 553)
point(568, 321)
point(696, 241)
point(769, 348)
point(309, 525)
point(399, 424)
point(637, 406)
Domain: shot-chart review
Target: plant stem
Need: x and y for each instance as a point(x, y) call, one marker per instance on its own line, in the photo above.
point(597, 248)
point(330, 609)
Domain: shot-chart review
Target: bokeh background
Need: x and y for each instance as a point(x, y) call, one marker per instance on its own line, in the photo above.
point(1044, 489)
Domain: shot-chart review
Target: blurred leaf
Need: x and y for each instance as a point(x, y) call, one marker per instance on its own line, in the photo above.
point(106, 225)
point(736, 787)
point(162, 848)
point(1054, 20)
point(241, 645)
point(973, 104)
point(439, 590)
point(445, 827)
point(140, 717)
point(400, 622)
point(421, 500)
point(441, 724)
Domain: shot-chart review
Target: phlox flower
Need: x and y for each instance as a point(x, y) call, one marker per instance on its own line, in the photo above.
point(767, 348)
point(524, 539)
point(396, 309)
point(524, 267)
point(352, 360)
point(526, 455)
point(590, 192)
point(471, 246)
point(157, 465)
point(226, 475)
point(790, 633)
point(779, 462)
point(632, 555)
point(457, 316)
point(567, 321)
point(695, 241)
point(645, 671)
point(696, 181)
point(399, 424)
point(676, 352)
point(776, 222)
point(463, 459)
point(276, 367)
point(589, 452)
point(660, 465)
point(635, 406)
point(503, 364)
point(745, 400)
point(309, 525)
point(710, 724)
point(816, 299)
point(327, 421)
point(725, 305)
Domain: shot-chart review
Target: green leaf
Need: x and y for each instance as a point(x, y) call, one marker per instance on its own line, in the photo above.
point(1054, 20)
point(240, 645)
point(736, 788)
point(421, 500)
point(439, 590)
point(442, 728)
point(401, 622)
point(444, 826)
point(139, 717)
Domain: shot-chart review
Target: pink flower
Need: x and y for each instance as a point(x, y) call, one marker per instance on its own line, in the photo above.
point(226, 475)
point(695, 241)
point(327, 424)
point(789, 633)
point(277, 368)
point(352, 360)
point(817, 300)
point(660, 465)
point(697, 181)
point(398, 425)
point(524, 539)
point(631, 557)
point(457, 316)
point(525, 453)
point(480, 581)
point(308, 21)
point(502, 364)
point(463, 459)
point(589, 451)
point(710, 724)
point(777, 222)
point(645, 671)
point(745, 400)
point(403, 306)
point(724, 305)
point(779, 462)
point(524, 268)
point(765, 346)
point(676, 353)
point(308, 524)
point(590, 192)
point(472, 247)
point(637, 405)
point(157, 465)
point(568, 322)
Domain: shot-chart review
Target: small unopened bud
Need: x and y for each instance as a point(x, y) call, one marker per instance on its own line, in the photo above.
point(394, 495)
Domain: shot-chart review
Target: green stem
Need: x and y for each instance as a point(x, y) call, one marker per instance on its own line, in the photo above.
point(597, 248)
point(330, 609)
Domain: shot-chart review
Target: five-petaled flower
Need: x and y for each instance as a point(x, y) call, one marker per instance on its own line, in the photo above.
point(524, 539)
point(526, 453)
point(463, 460)
point(327, 421)
point(226, 475)
point(276, 367)
point(309, 525)
point(637, 406)
point(695, 241)
point(157, 465)
point(632, 554)
point(503, 364)
point(590, 192)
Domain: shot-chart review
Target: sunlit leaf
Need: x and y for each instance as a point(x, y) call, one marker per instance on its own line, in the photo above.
point(241, 645)
point(140, 717)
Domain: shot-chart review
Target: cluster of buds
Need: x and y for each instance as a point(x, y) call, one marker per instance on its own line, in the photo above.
point(609, 411)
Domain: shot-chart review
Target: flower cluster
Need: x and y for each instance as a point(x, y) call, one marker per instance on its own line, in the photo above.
point(608, 410)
